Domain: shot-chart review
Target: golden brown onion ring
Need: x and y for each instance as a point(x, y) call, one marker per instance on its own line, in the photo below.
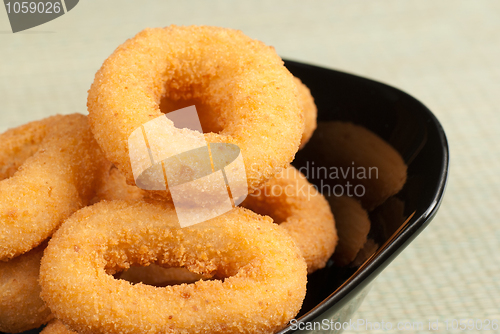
point(249, 254)
point(54, 182)
point(252, 97)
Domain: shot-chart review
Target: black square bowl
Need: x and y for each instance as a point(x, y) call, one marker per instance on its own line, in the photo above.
point(336, 293)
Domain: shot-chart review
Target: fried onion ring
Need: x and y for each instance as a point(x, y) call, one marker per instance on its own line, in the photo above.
point(301, 210)
point(21, 307)
point(252, 98)
point(54, 182)
point(248, 253)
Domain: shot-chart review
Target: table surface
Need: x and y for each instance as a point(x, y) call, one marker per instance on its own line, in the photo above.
point(445, 53)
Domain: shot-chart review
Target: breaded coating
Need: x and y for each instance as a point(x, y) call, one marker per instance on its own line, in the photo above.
point(248, 254)
point(54, 182)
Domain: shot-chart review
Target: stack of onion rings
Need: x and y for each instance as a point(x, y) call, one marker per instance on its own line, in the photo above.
point(235, 273)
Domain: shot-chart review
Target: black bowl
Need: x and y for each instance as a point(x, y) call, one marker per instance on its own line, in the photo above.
point(335, 293)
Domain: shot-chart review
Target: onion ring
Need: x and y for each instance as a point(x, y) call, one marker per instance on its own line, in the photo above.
point(50, 185)
point(302, 211)
point(307, 104)
point(21, 307)
point(248, 251)
point(252, 96)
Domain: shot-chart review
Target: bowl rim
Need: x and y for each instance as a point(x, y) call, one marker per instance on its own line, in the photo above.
point(408, 230)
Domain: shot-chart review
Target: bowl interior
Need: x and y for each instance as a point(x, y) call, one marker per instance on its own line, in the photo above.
point(415, 133)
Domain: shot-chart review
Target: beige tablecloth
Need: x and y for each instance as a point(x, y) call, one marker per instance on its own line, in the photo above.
point(446, 53)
